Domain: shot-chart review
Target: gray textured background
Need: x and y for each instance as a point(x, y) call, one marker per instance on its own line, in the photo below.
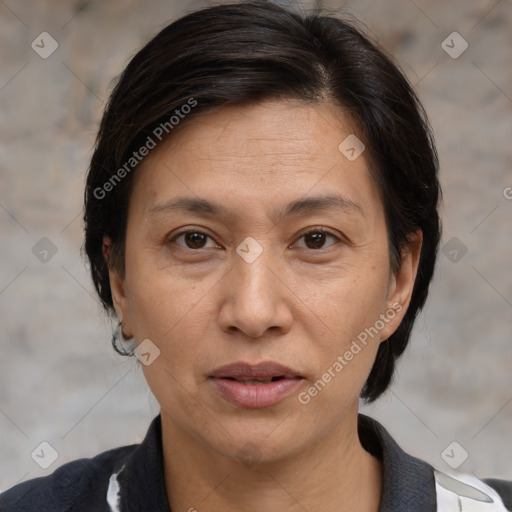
point(61, 382)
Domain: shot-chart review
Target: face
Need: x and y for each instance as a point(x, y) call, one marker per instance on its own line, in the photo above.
point(256, 251)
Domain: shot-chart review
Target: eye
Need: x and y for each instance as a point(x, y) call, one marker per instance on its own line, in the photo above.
point(315, 238)
point(196, 240)
point(192, 238)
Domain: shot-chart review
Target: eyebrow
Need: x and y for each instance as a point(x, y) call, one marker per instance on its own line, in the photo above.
point(294, 208)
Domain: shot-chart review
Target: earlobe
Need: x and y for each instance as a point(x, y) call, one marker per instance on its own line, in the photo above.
point(402, 284)
point(117, 288)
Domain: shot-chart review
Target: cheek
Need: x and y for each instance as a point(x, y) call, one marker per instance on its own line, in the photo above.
point(347, 305)
point(173, 315)
point(344, 345)
point(345, 329)
point(157, 299)
point(178, 315)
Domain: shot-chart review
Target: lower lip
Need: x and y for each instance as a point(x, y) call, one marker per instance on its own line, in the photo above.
point(256, 395)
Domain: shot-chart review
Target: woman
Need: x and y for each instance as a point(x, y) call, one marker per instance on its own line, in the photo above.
point(261, 217)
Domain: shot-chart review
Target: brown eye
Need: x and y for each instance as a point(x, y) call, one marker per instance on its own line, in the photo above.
point(195, 240)
point(192, 239)
point(316, 238)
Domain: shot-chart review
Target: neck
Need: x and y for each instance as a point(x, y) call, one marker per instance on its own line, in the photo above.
point(336, 474)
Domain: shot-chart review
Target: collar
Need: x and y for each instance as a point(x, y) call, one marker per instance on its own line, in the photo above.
point(408, 482)
point(141, 479)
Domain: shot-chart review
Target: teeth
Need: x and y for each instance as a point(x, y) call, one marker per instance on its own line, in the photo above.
point(261, 380)
point(255, 381)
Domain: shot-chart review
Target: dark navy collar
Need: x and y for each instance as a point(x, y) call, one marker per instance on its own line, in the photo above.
point(141, 481)
point(408, 482)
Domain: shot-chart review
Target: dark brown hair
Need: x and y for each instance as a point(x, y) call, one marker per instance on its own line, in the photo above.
point(247, 52)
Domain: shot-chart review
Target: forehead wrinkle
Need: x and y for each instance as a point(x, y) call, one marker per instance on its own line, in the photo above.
point(309, 205)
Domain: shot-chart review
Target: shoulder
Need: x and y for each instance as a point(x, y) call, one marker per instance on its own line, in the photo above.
point(503, 488)
point(413, 484)
point(461, 491)
point(77, 482)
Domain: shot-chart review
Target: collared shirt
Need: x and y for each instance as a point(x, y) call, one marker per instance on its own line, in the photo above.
point(131, 479)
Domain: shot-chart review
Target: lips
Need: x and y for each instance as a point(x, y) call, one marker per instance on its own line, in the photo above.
point(255, 386)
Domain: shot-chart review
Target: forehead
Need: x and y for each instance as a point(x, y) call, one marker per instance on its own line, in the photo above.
point(289, 129)
point(261, 153)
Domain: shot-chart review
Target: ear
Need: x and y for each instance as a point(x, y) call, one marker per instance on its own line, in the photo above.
point(401, 285)
point(117, 288)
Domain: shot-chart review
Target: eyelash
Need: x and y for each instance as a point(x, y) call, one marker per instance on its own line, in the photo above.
point(310, 231)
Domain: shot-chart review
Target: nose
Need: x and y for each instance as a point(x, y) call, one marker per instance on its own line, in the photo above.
point(255, 298)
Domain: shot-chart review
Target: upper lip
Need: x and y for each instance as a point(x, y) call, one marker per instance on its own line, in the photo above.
point(263, 370)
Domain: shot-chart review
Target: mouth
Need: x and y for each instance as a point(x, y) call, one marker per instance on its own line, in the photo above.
point(255, 386)
point(255, 381)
